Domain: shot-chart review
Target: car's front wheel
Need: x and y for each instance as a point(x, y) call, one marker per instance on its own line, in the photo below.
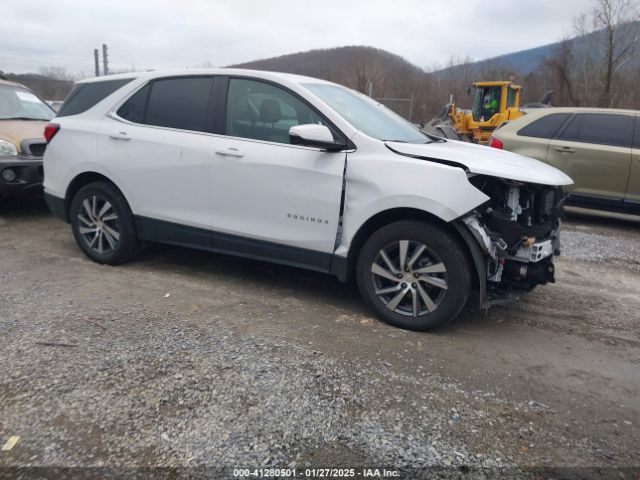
point(415, 275)
point(103, 224)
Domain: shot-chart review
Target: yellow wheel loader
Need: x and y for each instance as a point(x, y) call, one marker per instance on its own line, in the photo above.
point(494, 103)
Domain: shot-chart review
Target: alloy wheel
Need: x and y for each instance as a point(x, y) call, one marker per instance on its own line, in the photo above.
point(409, 278)
point(99, 226)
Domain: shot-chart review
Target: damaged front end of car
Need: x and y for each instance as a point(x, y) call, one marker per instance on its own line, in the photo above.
point(519, 232)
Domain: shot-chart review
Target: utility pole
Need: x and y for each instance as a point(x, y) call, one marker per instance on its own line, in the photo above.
point(105, 60)
point(96, 61)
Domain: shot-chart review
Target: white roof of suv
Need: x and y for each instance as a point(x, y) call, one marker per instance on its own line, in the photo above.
point(148, 75)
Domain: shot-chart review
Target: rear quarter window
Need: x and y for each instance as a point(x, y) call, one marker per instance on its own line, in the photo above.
point(134, 109)
point(86, 95)
point(545, 127)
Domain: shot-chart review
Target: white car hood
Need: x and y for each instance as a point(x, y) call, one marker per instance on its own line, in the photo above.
point(486, 161)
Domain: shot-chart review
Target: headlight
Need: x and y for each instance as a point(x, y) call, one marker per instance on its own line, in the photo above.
point(7, 148)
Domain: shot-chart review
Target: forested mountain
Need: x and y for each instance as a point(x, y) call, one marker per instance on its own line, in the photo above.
point(531, 60)
point(576, 69)
point(365, 69)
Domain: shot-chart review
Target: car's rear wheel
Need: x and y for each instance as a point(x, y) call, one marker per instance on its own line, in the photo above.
point(103, 224)
point(415, 275)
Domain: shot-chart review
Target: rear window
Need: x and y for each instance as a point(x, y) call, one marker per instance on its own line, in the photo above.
point(86, 95)
point(545, 127)
point(600, 128)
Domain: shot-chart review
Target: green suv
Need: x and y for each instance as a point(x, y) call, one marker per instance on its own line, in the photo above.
point(598, 148)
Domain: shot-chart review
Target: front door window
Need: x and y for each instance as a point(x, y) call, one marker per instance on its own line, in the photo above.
point(261, 111)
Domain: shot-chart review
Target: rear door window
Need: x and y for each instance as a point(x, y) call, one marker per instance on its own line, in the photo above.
point(86, 95)
point(601, 129)
point(545, 127)
point(180, 103)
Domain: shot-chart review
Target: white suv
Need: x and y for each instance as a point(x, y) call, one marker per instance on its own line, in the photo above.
point(303, 172)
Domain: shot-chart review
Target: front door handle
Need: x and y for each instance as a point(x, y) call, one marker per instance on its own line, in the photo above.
point(565, 150)
point(230, 152)
point(120, 136)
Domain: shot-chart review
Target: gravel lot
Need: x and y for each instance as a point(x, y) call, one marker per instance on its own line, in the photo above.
point(187, 359)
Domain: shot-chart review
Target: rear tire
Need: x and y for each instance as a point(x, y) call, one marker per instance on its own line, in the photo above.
point(103, 225)
point(415, 275)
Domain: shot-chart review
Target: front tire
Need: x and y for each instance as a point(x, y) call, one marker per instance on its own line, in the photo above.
point(415, 275)
point(103, 224)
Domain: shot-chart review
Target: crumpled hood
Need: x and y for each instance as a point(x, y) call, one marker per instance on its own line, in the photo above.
point(486, 161)
point(18, 130)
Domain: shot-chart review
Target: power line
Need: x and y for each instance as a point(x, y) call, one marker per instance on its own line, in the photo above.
point(26, 76)
point(60, 59)
point(32, 61)
point(27, 57)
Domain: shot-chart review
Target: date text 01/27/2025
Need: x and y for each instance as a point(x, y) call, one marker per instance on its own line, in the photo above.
point(315, 473)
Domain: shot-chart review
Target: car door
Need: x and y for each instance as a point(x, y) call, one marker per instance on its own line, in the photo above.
point(270, 198)
point(156, 144)
point(594, 149)
point(632, 198)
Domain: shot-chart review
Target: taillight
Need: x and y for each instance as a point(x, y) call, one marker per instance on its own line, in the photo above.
point(50, 131)
point(495, 143)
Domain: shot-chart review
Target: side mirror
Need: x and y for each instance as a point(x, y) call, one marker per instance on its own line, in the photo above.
point(313, 135)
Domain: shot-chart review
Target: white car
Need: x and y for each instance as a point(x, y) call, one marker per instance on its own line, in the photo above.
point(303, 172)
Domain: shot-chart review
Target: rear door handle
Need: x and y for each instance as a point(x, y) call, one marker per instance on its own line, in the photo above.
point(565, 150)
point(120, 136)
point(230, 152)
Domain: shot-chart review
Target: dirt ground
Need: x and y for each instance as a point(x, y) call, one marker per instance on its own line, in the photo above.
point(184, 358)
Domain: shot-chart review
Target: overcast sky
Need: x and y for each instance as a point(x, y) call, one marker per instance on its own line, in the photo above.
point(185, 33)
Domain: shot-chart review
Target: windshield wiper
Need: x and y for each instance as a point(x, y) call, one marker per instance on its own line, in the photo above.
point(433, 138)
point(25, 118)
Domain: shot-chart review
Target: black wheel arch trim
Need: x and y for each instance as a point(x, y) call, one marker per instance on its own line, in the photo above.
point(478, 257)
point(57, 206)
point(344, 268)
point(77, 183)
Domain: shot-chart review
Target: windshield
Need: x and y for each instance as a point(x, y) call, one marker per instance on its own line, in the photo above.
point(370, 117)
point(19, 104)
